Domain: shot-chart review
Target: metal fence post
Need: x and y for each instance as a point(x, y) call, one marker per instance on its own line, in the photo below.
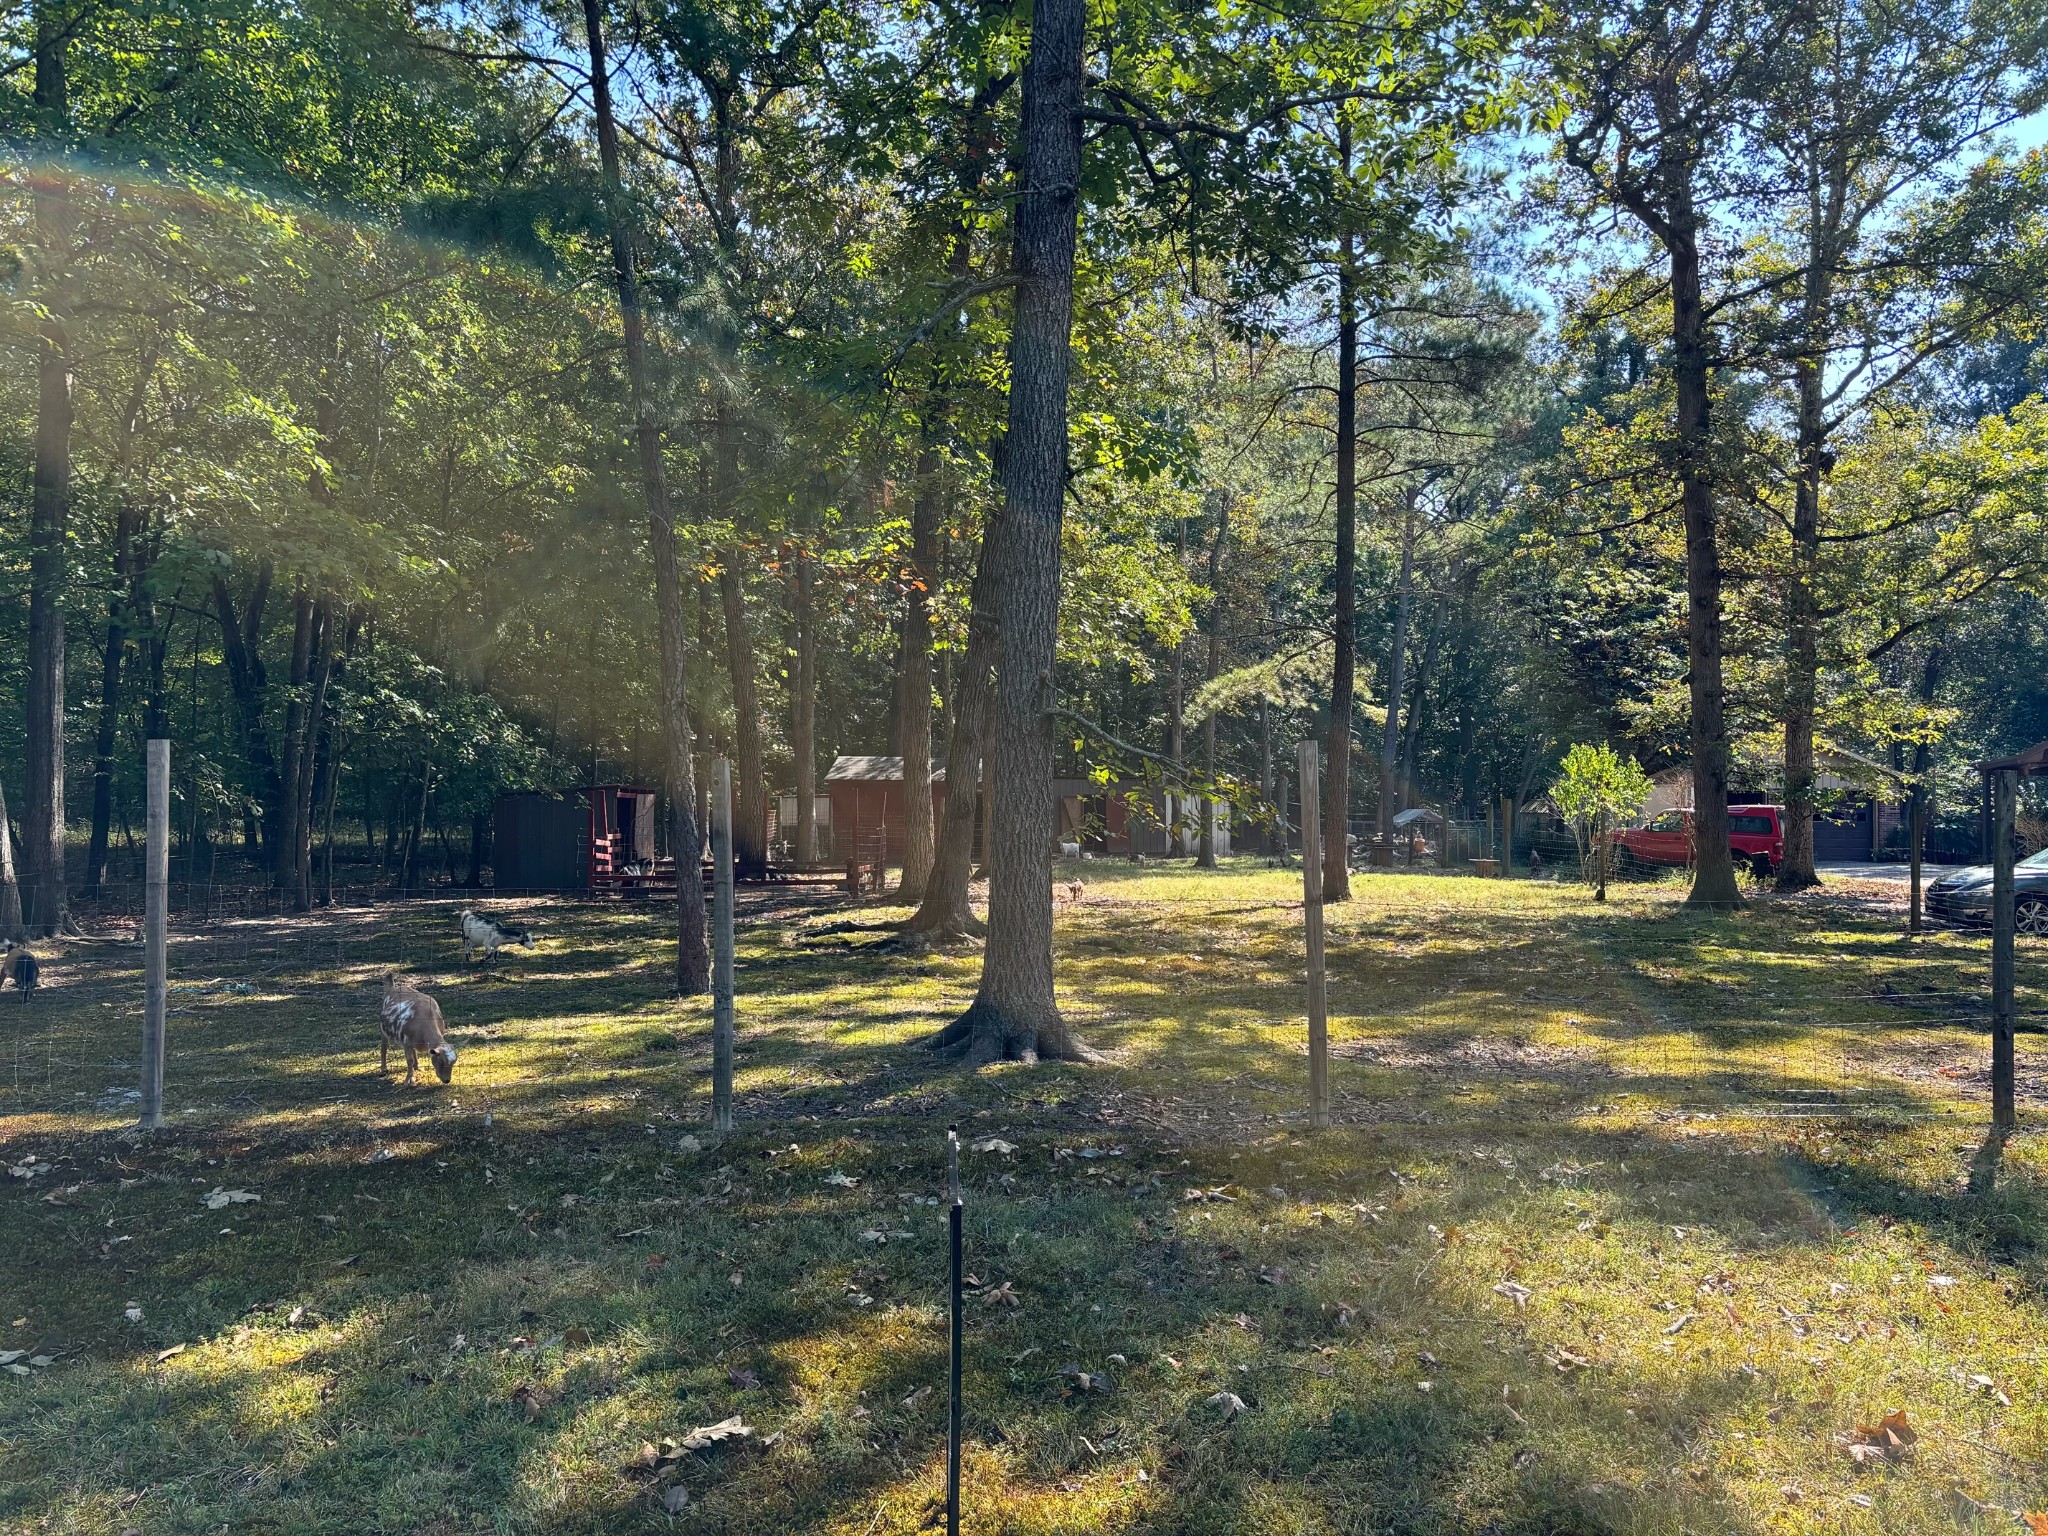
point(1312, 917)
point(2005, 792)
point(155, 962)
point(721, 945)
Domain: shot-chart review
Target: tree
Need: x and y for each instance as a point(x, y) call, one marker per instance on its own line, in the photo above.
point(1015, 1013)
point(1653, 96)
point(1894, 251)
point(693, 959)
point(1596, 787)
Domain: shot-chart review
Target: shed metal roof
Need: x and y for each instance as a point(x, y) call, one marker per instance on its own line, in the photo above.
point(872, 770)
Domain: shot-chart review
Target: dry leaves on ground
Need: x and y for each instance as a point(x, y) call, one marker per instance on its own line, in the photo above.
point(1889, 1441)
point(1229, 1403)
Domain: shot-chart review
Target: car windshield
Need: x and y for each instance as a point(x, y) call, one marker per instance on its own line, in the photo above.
point(2035, 860)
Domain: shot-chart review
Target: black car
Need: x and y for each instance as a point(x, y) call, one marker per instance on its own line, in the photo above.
point(1965, 895)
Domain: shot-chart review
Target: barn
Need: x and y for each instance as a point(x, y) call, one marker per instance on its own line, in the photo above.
point(598, 839)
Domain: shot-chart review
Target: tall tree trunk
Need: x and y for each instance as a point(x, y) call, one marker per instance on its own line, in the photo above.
point(1176, 725)
point(284, 845)
point(693, 952)
point(241, 636)
point(1397, 673)
point(10, 885)
point(1713, 882)
point(1016, 1013)
point(304, 792)
point(914, 677)
point(327, 752)
point(803, 727)
point(125, 524)
point(1802, 618)
point(1411, 733)
point(1205, 857)
point(1336, 810)
point(945, 908)
point(1266, 838)
point(750, 815)
point(49, 515)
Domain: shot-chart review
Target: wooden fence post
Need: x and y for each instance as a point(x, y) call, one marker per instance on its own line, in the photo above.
point(721, 946)
point(1312, 915)
point(156, 892)
point(2005, 791)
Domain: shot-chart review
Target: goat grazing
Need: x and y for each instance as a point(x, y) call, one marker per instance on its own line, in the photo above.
point(483, 932)
point(412, 1020)
point(26, 971)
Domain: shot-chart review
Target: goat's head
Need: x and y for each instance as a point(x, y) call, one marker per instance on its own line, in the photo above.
point(443, 1057)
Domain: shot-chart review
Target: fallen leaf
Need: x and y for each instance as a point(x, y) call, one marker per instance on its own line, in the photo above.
point(708, 1435)
point(1340, 1313)
point(1679, 1322)
point(1229, 1403)
point(576, 1336)
point(991, 1144)
point(1004, 1295)
point(218, 1199)
point(1518, 1294)
point(133, 1312)
point(844, 1181)
point(1080, 1383)
point(1274, 1275)
point(531, 1399)
point(916, 1397)
point(2037, 1524)
point(675, 1498)
point(164, 1354)
point(9, 1356)
point(1891, 1439)
point(742, 1378)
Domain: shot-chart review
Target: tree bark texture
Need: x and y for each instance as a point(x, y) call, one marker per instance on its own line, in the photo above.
point(1713, 882)
point(945, 908)
point(693, 948)
point(10, 885)
point(1016, 1014)
point(1397, 675)
point(126, 521)
point(803, 725)
point(1336, 809)
point(914, 678)
point(1205, 856)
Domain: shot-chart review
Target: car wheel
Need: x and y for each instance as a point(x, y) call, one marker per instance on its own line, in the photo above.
point(2030, 916)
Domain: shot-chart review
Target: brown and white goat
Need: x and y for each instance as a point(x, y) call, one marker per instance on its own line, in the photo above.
point(412, 1020)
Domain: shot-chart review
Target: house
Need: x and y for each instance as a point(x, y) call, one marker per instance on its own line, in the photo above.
point(599, 839)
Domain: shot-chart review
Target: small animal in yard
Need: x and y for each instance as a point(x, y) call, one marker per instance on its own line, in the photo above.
point(1069, 892)
point(483, 932)
point(1535, 865)
point(412, 1020)
point(26, 971)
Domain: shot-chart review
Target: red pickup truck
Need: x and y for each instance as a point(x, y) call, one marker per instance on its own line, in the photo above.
point(1756, 835)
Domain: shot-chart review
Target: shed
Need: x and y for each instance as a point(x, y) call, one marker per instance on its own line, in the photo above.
point(598, 839)
point(866, 793)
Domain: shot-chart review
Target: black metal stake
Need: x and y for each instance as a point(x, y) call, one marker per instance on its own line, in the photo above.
point(953, 1407)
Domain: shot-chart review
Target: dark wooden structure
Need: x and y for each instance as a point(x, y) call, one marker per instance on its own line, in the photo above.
point(867, 809)
point(598, 840)
point(2002, 777)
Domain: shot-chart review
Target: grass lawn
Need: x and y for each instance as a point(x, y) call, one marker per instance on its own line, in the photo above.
point(1566, 1264)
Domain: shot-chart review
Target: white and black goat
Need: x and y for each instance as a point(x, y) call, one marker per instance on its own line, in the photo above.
point(483, 932)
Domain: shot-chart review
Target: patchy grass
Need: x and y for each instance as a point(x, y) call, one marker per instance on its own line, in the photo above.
point(1566, 1264)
